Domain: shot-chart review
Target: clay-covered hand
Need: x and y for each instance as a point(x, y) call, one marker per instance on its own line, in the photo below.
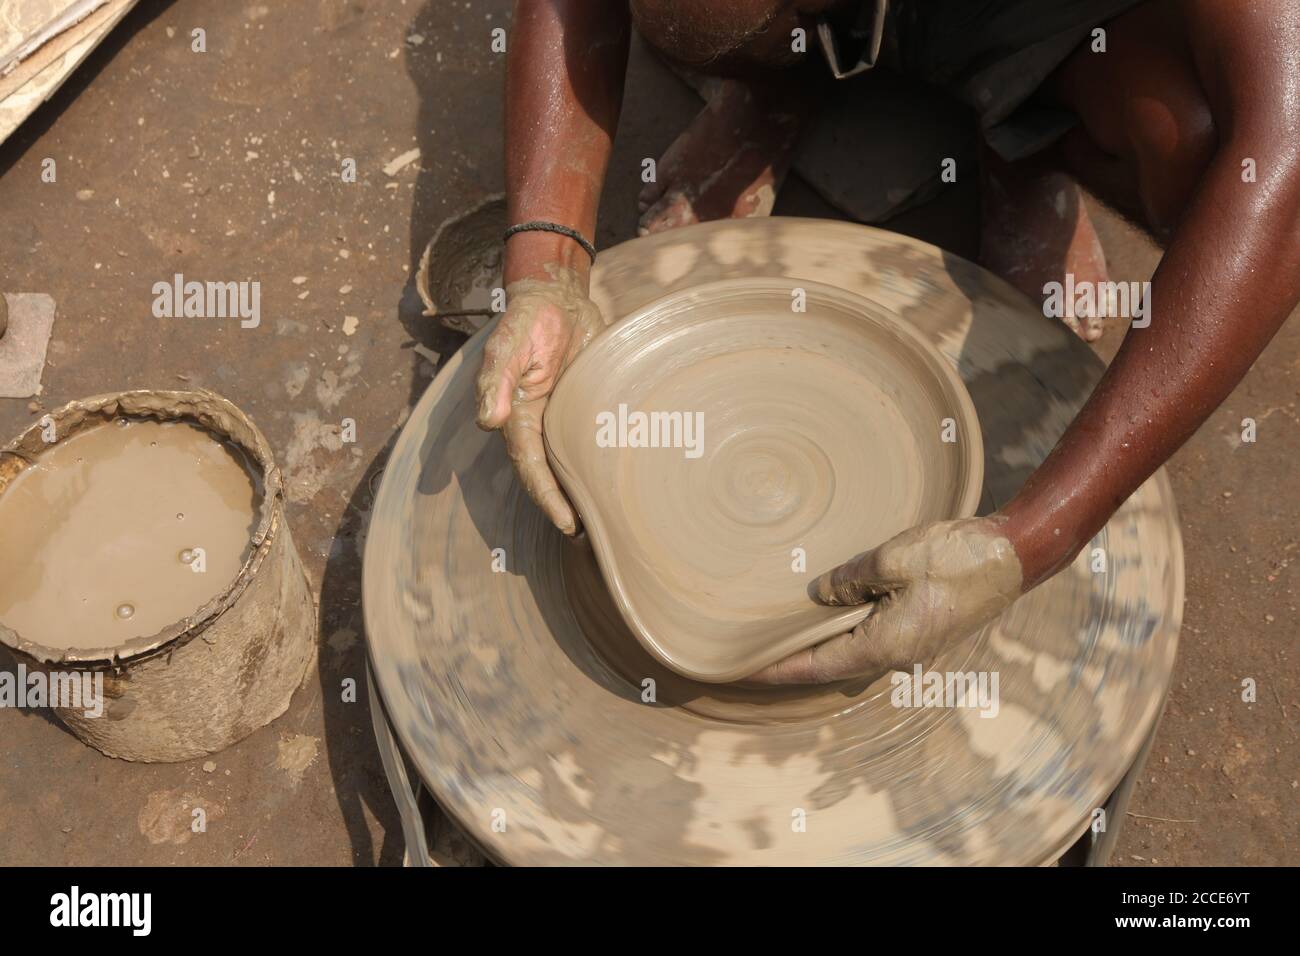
point(547, 322)
point(932, 586)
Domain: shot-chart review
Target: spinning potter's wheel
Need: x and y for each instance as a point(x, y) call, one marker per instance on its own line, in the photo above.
point(518, 694)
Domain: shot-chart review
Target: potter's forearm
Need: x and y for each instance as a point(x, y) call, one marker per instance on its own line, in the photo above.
point(1230, 277)
point(564, 88)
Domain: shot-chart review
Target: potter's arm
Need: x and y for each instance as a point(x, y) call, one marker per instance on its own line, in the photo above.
point(564, 90)
point(1229, 279)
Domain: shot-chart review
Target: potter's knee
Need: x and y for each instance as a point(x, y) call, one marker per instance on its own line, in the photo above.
point(704, 34)
point(1174, 139)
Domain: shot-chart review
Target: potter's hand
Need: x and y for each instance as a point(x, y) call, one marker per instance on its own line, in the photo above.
point(547, 322)
point(932, 586)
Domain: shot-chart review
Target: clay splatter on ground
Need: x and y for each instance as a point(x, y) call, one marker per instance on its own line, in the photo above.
point(297, 753)
point(314, 453)
point(169, 816)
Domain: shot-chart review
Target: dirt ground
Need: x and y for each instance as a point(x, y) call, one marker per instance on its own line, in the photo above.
point(226, 165)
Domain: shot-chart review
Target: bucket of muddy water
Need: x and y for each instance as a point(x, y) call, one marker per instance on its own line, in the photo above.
point(149, 588)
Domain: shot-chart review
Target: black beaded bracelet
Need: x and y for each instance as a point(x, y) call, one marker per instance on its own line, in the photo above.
point(541, 225)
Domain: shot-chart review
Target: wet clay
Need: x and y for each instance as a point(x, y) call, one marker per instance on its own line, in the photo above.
point(560, 300)
point(784, 443)
point(522, 698)
point(120, 530)
point(516, 379)
point(926, 586)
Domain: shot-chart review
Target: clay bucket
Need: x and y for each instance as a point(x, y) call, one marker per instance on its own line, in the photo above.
point(230, 667)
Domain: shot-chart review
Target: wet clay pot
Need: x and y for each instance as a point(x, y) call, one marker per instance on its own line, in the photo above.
point(751, 432)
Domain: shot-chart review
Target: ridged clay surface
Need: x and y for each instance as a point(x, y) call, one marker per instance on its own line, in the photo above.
point(783, 442)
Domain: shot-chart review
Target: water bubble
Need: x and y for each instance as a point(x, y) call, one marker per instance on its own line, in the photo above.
point(186, 556)
point(125, 612)
point(180, 516)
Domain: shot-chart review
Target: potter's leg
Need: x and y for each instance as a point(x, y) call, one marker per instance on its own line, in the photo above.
point(728, 163)
point(1035, 228)
point(733, 157)
point(1147, 132)
point(1145, 137)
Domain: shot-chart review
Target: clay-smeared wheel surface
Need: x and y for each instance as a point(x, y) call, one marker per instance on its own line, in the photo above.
point(723, 448)
point(522, 699)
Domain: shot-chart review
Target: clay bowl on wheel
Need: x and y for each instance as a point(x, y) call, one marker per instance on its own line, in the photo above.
point(727, 443)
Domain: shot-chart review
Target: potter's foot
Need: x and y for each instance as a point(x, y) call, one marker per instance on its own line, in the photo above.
point(729, 163)
point(1036, 229)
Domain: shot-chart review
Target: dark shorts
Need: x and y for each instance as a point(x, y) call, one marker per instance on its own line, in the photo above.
point(993, 55)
